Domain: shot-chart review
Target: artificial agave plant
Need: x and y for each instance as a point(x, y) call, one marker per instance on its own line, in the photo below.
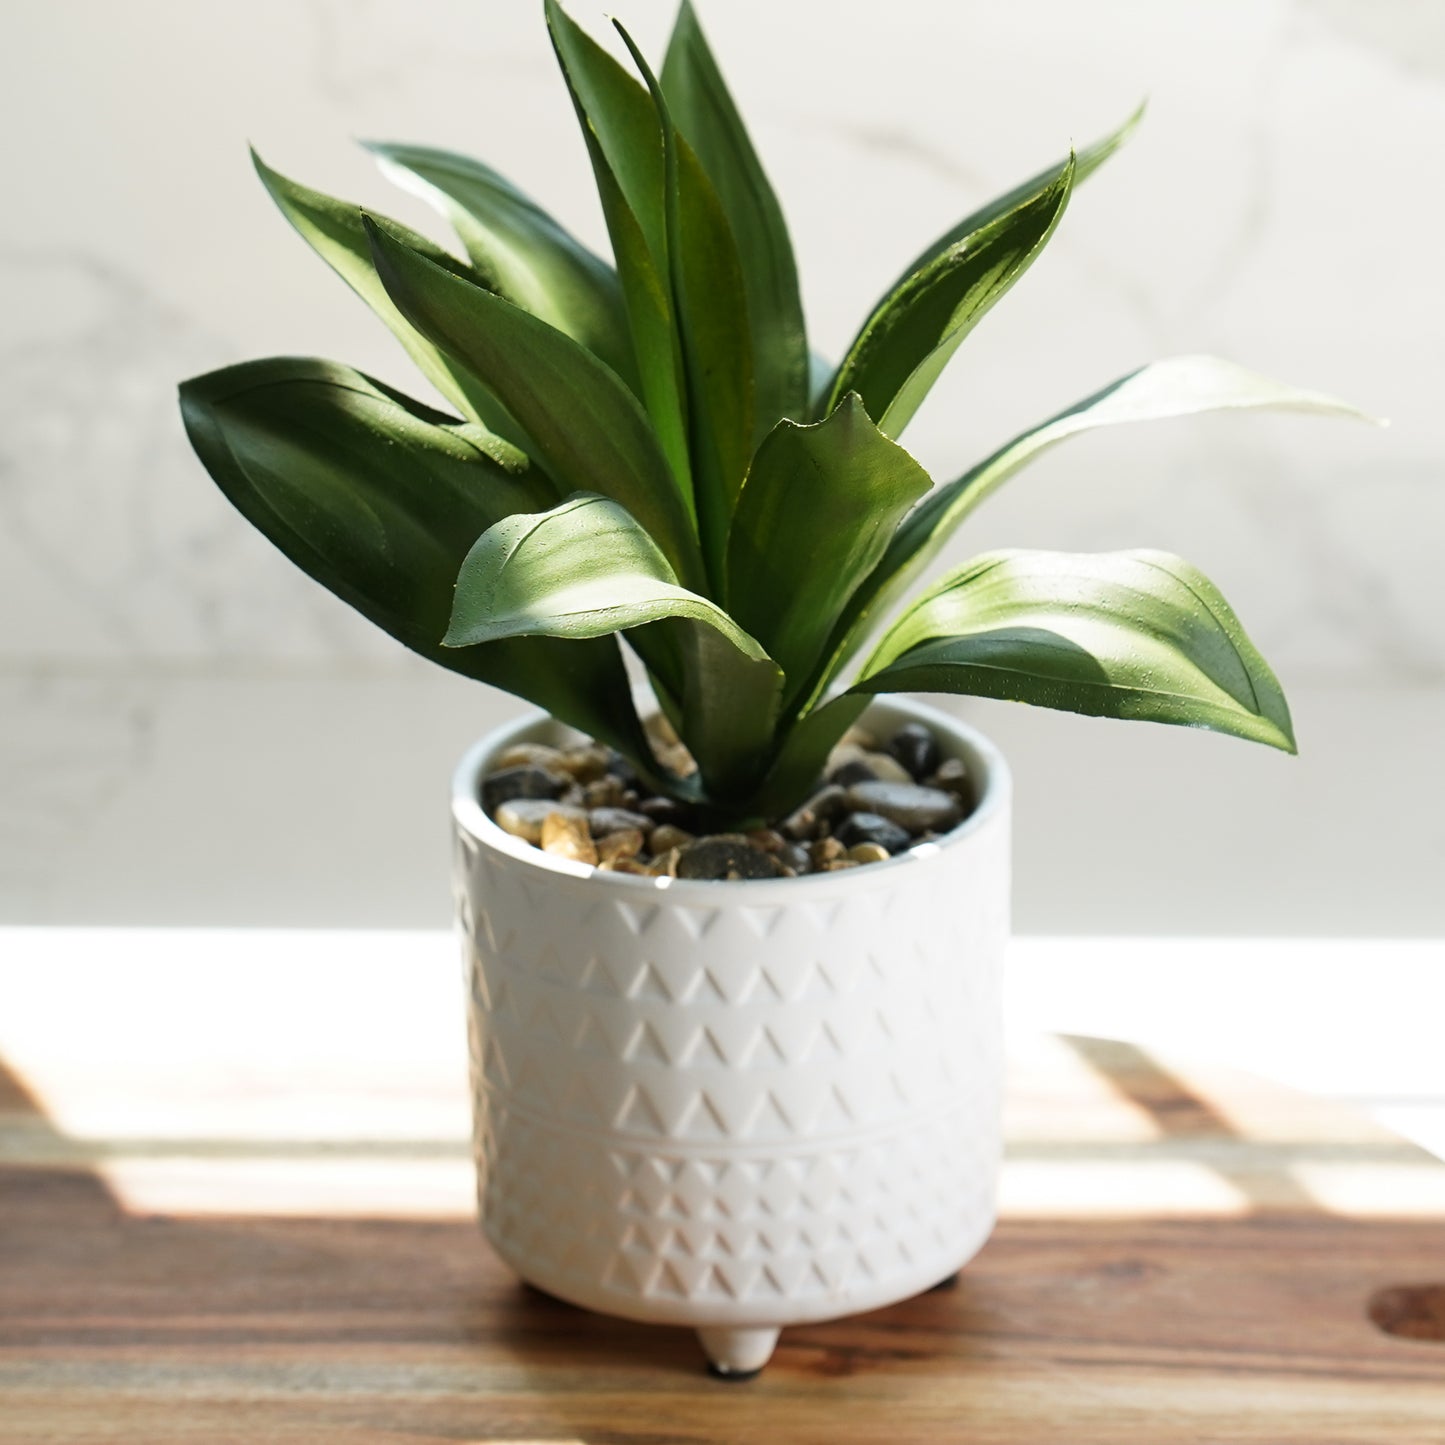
point(648, 450)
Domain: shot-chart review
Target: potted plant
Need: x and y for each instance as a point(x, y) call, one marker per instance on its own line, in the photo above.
point(734, 967)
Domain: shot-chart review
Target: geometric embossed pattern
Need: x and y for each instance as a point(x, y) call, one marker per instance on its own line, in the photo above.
point(737, 1103)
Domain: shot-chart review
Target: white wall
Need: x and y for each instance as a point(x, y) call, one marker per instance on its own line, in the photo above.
point(1280, 206)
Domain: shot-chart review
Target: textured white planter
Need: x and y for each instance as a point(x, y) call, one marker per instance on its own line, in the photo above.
point(737, 1106)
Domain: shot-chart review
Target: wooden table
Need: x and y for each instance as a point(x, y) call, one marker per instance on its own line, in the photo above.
point(218, 1250)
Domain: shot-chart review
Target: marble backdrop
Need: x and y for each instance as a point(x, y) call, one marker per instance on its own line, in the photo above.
point(1279, 207)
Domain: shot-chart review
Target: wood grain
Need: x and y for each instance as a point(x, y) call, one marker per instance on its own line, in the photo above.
point(1173, 1320)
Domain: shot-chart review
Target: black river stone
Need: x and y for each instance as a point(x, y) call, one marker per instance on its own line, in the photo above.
point(526, 781)
point(871, 828)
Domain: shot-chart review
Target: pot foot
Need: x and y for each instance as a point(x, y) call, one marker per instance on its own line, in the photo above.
point(737, 1354)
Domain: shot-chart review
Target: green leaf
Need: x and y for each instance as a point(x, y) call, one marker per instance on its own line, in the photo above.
point(334, 230)
point(1136, 634)
point(583, 569)
point(581, 420)
point(587, 568)
point(518, 250)
point(1086, 162)
point(908, 340)
point(378, 498)
point(706, 115)
point(1179, 386)
point(710, 306)
point(624, 140)
point(836, 489)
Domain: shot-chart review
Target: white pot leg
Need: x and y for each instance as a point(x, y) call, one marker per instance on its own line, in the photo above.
point(737, 1354)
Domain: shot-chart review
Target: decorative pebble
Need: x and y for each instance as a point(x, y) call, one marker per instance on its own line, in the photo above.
point(726, 857)
point(849, 763)
point(952, 777)
point(860, 737)
point(606, 792)
point(917, 749)
point(566, 836)
point(586, 764)
point(869, 853)
point(624, 865)
point(826, 851)
point(618, 767)
point(854, 771)
point(536, 755)
point(623, 843)
point(795, 857)
point(768, 839)
point(665, 865)
point(907, 804)
point(665, 837)
point(666, 810)
point(523, 817)
point(617, 820)
point(839, 864)
point(823, 806)
point(526, 781)
point(863, 829)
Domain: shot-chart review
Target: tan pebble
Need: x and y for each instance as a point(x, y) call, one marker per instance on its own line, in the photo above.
point(667, 836)
point(952, 777)
point(825, 851)
point(883, 766)
point(629, 865)
point(810, 821)
point(604, 793)
point(524, 817)
point(573, 796)
point(869, 853)
point(768, 839)
point(839, 864)
point(536, 755)
point(586, 764)
point(625, 843)
point(665, 866)
point(886, 768)
point(861, 738)
point(567, 837)
point(789, 872)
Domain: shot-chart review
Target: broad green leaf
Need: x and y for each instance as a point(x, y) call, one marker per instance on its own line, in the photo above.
point(586, 568)
point(624, 140)
point(583, 569)
point(334, 230)
point(816, 513)
point(1086, 162)
point(518, 250)
point(1136, 634)
point(581, 420)
point(712, 318)
point(705, 113)
point(1179, 386)
point(378, 498)
point(908, 340)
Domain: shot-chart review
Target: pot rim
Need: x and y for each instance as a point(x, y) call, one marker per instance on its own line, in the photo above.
point(987, 767)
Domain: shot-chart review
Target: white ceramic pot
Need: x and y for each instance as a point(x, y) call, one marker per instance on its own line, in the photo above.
point(737, 1106)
